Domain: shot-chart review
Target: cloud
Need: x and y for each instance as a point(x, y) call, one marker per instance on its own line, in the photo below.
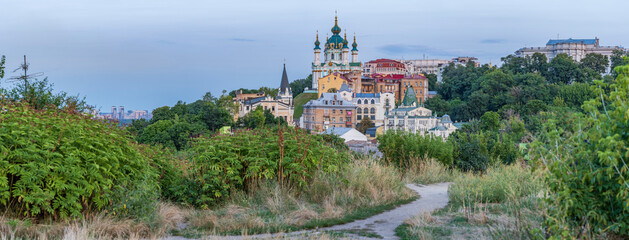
point(398, 49)
point(242, 40)
point(493, 41)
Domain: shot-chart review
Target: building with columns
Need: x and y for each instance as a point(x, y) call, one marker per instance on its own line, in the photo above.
point(575, 48)
point(369, 105)
point(336, 56)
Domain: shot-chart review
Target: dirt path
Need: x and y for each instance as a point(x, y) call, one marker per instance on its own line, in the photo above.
point(432, 197)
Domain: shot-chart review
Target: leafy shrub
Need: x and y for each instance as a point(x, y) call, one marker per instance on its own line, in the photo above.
point(224, 163)
point(587, 175)
point(60, 163)
point(402, 148)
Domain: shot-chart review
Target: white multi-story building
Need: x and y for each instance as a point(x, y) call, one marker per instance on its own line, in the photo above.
point(575, 48)
point(369, 105)
point(410, 117)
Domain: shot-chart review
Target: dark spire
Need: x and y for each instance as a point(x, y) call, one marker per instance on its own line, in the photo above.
point(284, 86)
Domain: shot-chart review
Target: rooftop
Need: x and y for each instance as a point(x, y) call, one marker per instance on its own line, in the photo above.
point(570, 40)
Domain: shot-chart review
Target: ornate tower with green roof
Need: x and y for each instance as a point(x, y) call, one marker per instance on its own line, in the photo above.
point(336, 55)
point(410, 99)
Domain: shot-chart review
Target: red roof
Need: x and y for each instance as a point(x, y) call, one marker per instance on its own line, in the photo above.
point(387, 63)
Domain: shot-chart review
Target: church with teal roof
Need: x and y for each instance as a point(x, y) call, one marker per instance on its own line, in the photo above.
point(336, 55)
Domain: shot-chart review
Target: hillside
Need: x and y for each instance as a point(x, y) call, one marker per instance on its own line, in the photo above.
point(300, 100)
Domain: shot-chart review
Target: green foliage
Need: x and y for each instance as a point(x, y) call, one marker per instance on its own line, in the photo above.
point(224, 163)
point(587, 175)
point(438, 105)
point(174, 127)
point(490, 121)
point(58, 163)
point(403, 149)
point(39, 95)
point(2, 62)
point(497, 185)
point(298, 86)
point(260, 118)
point(365, 124)
point(300, 100)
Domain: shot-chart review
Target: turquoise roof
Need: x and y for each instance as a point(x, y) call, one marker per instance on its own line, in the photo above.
point(334, 42)
point(354, 45)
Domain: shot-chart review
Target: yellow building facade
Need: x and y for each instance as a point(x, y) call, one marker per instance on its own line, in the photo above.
point(332, 81)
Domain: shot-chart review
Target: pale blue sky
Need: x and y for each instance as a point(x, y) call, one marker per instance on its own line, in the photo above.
point(145, 54)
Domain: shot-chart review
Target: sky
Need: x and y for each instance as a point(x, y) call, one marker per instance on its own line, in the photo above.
point(144, 54)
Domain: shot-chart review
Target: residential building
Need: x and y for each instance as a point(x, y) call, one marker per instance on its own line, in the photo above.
point(369, 105)
point(281, 106)
point(336, 56)
point(384, 66)
point(434, 66)
point(410, 117)
point(575, 48)
point(396, 84)
point(330, 110)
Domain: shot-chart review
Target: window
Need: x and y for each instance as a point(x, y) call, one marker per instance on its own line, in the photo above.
point(366, 110)
point(272, 108)
point(373, 110)
point(326, 112)
point(332, 57)
point(360, 110)
point(341, 111)
point(333, 111)
point(373, 102)
point(373, 117)
point(247, 108)
point(359, 117)
point(333, 119)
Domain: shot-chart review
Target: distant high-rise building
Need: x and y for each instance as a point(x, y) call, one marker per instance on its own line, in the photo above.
point(114, 113)
point(121, 113)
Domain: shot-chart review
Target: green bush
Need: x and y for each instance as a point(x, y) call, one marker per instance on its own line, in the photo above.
point(224, 163)
point(60, 163)
point(587, 174)
point(402, 148)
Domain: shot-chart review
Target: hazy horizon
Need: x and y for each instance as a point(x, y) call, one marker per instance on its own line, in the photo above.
point(146, 54)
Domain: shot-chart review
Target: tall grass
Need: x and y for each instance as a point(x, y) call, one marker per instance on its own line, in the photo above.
point(329, 199)
point(430, 171)
point(496, 185)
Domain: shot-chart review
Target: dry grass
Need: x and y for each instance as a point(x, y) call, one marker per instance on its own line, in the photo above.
point(363, 184)
point(428, 172)
point(94, 227)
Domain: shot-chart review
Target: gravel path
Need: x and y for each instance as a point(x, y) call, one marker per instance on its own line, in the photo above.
point(432, 197)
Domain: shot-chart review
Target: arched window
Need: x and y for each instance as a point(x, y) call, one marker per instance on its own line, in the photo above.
point(332, 56)
point(373, 102)
point(359, 110)
point(366, 110)
point(359, 102)
point(373, 110)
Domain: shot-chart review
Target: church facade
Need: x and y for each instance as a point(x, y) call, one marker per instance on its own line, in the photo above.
point(281, 106)
point(336, 58)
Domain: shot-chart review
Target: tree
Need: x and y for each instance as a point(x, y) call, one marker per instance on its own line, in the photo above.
point(534, 106)
point(617, 59)
point(490, 121)
point(596, 62)
point(364, 124)
point(162, 113)
point(2, 62)
point(562, 69)
point(298, 86)
point(332, 90)
point(438, 105)
point(516, 65)
point(539, 63)
point(432, 81)
point(215, 117)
